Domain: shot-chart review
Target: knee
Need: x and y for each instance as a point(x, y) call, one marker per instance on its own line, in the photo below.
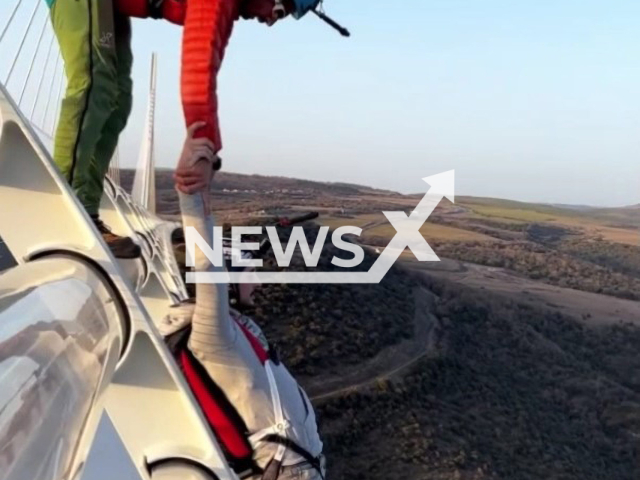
point(78, 87)
point(123, 108)
point(104, 92)
point(125, 102)
point(99, 91)
point(119, 115)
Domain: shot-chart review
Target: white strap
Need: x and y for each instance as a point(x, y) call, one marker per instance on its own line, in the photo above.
point(277, 410)
point(260, 434)
point(281, 426)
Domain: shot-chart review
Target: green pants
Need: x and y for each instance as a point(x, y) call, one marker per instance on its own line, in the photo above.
point(95, 44)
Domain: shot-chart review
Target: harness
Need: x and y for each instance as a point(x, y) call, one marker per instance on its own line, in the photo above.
point(227, 424)
point(155, 8)
point(173, 11)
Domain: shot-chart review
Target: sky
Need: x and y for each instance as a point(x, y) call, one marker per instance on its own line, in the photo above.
point(533, 101)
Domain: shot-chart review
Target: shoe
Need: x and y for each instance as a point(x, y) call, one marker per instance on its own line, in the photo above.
point(121, 247)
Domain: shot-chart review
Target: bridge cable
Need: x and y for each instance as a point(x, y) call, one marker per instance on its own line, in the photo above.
point(39, 89)
point(58, 103)
point(33, 59)
point(13, 14)
point(53, 79)
point(24, 38)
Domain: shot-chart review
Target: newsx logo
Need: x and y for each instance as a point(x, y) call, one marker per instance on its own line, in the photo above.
point(407, 236)
point(311, 256)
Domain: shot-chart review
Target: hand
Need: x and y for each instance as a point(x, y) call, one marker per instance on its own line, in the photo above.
point(194, 171)
point(194, 179)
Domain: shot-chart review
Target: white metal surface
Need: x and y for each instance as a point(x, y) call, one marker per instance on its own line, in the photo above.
point(149, 412)
point(147, 401)
point(56, 359)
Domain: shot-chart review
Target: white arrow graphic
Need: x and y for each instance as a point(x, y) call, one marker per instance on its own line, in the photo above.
point(408, 227)
point(407, 236)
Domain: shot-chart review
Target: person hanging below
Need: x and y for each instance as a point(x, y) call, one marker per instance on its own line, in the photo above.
point(261, 417)
point(208, 25)
point(95, 44)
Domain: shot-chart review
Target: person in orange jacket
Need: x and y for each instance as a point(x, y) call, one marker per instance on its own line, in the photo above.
point(208, 25)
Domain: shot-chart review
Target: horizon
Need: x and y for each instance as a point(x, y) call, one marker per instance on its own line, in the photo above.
point(458, 195)
point(530, 102)
point(535, 103)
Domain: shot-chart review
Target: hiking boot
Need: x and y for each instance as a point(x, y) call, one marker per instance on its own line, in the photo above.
point(121, 247)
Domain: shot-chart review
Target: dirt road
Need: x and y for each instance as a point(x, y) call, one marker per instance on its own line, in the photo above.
point(391, 361)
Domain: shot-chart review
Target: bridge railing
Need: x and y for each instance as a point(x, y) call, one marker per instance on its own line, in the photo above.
point(32, 73)
point(60, 340)
point(155, 418)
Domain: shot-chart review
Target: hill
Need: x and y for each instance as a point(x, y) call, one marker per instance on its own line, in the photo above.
point(514, 358)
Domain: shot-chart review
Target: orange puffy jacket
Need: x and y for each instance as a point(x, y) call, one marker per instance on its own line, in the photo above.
point(207, 28)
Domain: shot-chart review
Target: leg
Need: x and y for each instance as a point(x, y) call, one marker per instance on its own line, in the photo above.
point(121, 247)
point(115, 124)
point(84, 29)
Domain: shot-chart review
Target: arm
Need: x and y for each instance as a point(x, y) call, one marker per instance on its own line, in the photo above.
point(215, 338)
point(212, 328)
point(207, 29)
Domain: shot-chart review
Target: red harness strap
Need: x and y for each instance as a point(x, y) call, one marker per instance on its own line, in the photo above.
point(173, 11)
point(222, 416)
point(261, 353)
point(229, 428)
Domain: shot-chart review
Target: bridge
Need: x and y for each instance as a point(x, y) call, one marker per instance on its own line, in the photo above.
point(88, 389)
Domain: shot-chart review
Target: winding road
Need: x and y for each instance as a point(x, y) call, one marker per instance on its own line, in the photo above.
point(391, 361)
